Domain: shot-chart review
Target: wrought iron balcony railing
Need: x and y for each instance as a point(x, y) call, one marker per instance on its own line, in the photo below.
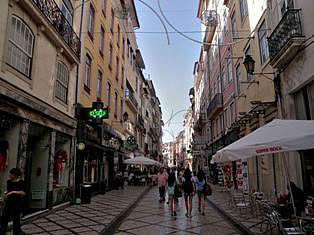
point(289, 27)
point(129, 96)
point(54, 15)
point(214, 105)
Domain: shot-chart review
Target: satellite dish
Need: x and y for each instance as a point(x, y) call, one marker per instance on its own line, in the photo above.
point(121, 12)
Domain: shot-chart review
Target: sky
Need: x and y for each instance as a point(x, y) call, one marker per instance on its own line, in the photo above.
point(170, 67)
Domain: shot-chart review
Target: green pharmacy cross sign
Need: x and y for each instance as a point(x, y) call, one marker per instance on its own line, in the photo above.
point(95, 114)
point(98, 113)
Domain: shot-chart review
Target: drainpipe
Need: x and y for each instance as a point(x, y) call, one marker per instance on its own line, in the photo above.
point(80, 37)
point(75, 163)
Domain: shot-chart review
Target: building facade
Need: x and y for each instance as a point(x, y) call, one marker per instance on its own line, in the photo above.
point(40, 52)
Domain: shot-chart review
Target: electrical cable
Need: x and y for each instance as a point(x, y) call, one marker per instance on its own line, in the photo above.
point(158, 18)
point(194, 40)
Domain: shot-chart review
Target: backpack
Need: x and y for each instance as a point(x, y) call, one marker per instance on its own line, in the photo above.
point(188, 186)
point(207, 190)
point(171, 190)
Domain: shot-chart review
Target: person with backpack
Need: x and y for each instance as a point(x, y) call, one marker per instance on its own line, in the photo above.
point(171, 193)
point(200, 187)
point(189, 191)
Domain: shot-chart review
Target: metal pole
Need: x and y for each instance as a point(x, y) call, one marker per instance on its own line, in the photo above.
point(274, 174)
point(288, 179)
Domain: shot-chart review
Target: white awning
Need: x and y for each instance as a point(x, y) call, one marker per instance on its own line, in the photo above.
point(275, 137)
point(141, 160)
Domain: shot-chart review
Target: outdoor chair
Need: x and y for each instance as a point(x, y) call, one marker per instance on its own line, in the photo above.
point(241, 201)
point(296, 230)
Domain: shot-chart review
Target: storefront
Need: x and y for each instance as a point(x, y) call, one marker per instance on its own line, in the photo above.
point(37, 144)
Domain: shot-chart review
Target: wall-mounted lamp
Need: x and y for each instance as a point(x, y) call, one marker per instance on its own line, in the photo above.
point(249, 64)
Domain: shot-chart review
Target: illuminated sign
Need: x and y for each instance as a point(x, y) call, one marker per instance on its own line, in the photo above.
point(98, 113)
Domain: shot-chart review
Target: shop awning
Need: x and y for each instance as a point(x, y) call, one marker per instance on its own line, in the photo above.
point(275, 137)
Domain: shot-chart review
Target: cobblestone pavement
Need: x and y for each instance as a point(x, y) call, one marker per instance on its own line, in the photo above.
point(87, 219)
point(150, 217)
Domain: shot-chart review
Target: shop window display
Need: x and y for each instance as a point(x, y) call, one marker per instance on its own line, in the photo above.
point(90, 170)
point(61, 161)
point(4, 154)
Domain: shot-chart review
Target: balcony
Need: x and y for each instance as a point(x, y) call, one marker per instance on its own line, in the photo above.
point(130, 99)
point(286, 39)
point(215, 105)
point(53, 14)
point(209, 18)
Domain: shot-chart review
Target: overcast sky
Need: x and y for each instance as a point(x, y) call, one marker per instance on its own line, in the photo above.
point(169, 66)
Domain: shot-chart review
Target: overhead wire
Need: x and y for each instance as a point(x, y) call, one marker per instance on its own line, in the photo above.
point(197, 41)
point(152, 9)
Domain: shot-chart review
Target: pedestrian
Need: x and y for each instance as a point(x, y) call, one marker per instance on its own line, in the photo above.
point(189, 191)
point(162, 178)
point(13, 202)
point(171, 195)
point(200, 187)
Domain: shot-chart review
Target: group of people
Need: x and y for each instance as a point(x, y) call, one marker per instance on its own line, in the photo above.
point(184, 184)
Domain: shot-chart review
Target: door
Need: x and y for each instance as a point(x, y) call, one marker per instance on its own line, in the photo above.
point(38, 150)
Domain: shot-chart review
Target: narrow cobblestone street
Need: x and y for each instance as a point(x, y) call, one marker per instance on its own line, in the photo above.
point(151, 217)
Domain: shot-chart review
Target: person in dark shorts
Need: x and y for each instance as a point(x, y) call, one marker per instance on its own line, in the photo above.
point(13, 202)
point(189, 191)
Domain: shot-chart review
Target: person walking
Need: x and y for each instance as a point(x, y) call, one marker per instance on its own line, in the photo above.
point(189, 191)
point(162, 178)
point(13, 202)
point(200, 187)
point(171, 193)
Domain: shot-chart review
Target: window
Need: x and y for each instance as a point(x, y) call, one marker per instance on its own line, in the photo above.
point(118, 39)
point(112, 21)
point(110, 56)
point(108, 94)
point(67, 11)
point(223, 81)
point(117, 68)
point(91, 22)
point(102, 41)
point(115, 105)
point(121, 109)
point(218, 84)
point(304, 103)
point(123, 47)
point(122, 77)
point(284, 5)
point(88, 70)
point(243, 9)
point(21, 42)
point(238, 77)
point(248, 52)
point(229, 64)
point(104, 6)
point(231, 113)
point(128, 48)
point(234, 26)
point(263, 44)
point(62, 82)
point(99, 85)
